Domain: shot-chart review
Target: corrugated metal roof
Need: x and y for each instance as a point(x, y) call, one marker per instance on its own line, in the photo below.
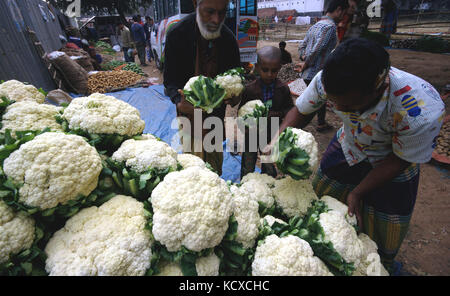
point(18, 57)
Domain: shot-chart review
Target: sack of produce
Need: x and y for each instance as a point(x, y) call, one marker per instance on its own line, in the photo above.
point(74, 75)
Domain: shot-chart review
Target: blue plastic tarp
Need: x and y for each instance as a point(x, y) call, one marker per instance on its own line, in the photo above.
point(159, 112)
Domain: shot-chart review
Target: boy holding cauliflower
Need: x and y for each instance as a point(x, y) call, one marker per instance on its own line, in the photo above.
point(265, 89)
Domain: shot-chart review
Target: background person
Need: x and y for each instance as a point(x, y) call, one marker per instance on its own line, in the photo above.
point(320, 40)
point(266, 87)
point(138, 33)
point(286, 57)
point(148, 27)
point(127, 42)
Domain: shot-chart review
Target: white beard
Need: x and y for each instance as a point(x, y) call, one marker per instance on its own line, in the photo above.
point(208, 35)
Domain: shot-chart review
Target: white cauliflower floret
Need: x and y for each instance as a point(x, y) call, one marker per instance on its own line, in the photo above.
point(102, 114)
point(307, 142)
point(141, 155)
point(16, 232)
point(259, 191)
point(187, 160)
point(245, 209)
point(249, 107)
point(294, 196)
point(191, 81)
point(270, 220)
point(206, 266)
point(18, 91)
point(287, 256)
point(191, 208)
point(54, 169)
point(371, 263)
point(110, 240)
point(342, 235)
point(30, 116)
point(336, 205)
point(269, 180)
point(232, 85)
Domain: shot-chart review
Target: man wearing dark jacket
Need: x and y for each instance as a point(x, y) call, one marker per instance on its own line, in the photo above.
point(200, 45)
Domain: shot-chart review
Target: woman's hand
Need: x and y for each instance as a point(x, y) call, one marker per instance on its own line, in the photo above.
point(354, 202)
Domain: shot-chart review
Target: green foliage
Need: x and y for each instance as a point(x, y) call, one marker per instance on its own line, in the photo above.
point(235, 260)
point(433, 44)
point(291, 159)
point(130, 182)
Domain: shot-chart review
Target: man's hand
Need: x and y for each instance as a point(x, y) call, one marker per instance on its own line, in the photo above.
point(354, 202)
point(300, 67)
point(184, 108)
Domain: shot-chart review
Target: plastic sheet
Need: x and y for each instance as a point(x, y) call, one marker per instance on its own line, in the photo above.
point(158, 112)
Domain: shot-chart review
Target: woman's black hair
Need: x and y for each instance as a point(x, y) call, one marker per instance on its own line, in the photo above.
point(355, 65)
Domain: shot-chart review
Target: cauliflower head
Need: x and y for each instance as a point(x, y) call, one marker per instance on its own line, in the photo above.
point(270, 220)
point(30, 116)
point(17, 232)
point(342, 235)
point(54, 168)
point(294, 196)
point(245, 209)
point(110, 240)
point(206, 266)
point(232, 85)
point(190, 160)
point(191, 208)
point(141, 155)
point(307, 142)
point(188, 85)
point(336, 205)
point(18, 91)
point(287, 256)
point(370, 263)
point(102, 114)
point(249, 107)
point(258, 191)
point(265, 178)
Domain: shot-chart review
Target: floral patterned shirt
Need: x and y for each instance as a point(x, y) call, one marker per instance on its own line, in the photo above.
point(406, 121)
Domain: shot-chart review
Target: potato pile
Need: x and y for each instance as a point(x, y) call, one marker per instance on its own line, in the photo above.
point(104, 81)
point(443, 140)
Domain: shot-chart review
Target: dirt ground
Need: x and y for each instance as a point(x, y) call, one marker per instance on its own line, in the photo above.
point(426, 249)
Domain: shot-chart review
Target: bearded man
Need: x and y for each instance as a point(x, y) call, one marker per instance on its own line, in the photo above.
point(200, 44)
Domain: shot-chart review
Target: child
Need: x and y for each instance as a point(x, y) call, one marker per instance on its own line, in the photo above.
point(285, 55)
point(266, 87)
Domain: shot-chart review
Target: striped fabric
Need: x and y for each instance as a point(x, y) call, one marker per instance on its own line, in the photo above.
point(388, 231)
point(386, 211)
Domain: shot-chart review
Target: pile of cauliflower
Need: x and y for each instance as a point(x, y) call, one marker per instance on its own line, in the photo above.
point(69, 208)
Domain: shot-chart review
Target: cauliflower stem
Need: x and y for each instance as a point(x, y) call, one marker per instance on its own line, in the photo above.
point(138, 185)
point(291, 159)
point(235, 260)
point(204, 93)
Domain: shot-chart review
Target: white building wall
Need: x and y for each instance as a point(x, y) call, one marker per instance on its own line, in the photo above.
point(301, 6)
